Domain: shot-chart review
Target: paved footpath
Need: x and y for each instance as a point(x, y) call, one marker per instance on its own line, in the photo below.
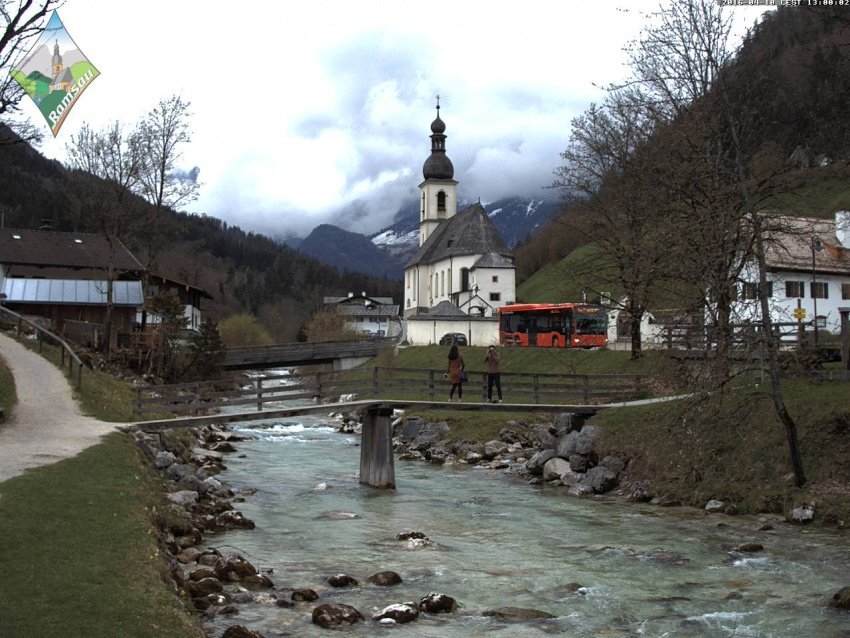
point(47, 425)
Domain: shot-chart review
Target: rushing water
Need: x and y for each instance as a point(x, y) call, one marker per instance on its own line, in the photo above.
point(499, 542)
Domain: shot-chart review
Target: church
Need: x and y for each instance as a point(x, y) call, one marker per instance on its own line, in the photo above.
point(463, 268)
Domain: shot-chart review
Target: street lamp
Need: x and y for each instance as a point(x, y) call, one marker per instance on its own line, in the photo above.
point(816, 246)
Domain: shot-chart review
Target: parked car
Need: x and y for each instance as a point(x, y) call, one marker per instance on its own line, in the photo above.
point(453, 338)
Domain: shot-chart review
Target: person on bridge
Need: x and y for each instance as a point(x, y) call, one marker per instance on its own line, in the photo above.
point(494, 373)
point(456, 372)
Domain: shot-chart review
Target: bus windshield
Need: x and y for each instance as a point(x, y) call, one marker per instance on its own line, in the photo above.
point(591, 320)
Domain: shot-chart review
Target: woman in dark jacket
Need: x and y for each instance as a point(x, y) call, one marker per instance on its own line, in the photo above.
point(455, 371)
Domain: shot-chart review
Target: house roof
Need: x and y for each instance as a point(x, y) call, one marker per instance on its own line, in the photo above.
point(357, 300)
point(469, 232)
point(368, 311)
point(71, 292)
point(65, 250)
point(179, 284)
point(789, 246)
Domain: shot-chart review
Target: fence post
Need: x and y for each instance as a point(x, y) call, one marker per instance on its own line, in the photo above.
point(375, 382)
point(537, 388)
point(431, 385)
point(259, 394)
point(319, 387)
point(586, 390)
point(138, 403)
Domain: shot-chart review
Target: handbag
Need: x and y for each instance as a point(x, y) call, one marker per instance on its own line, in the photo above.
point(463, 376)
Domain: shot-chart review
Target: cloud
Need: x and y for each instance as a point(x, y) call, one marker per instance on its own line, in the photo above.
point(314, 112)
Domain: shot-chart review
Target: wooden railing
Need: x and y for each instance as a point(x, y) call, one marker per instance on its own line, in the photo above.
point(300, 353)
point(66, 353)
point(384, 383)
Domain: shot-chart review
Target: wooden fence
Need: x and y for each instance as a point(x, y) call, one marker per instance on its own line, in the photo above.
point(67, 356)
point(380, 382)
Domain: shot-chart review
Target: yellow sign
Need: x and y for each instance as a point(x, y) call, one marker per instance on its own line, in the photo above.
point(799, 313)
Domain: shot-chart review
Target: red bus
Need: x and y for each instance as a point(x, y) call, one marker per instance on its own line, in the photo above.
point(563, 325)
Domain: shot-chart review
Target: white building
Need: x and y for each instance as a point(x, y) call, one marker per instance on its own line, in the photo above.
point(369, 316)
point(808, 267)
point(462, 260)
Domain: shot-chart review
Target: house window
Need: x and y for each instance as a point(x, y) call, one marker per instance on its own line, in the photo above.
point(495, 279)
point(820, 290)
point(749, 290)
point(495, 296)
point(845, 291)
point(795, 289)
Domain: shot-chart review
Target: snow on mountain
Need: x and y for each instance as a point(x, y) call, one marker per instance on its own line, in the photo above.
point(394, 245)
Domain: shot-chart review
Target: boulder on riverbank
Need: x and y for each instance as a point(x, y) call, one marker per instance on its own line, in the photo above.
point(332, 615)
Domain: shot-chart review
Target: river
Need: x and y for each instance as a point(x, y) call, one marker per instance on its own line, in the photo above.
point(497, 541)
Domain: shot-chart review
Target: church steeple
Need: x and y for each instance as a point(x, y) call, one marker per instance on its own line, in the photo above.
point(438, 191)
point(438, 165)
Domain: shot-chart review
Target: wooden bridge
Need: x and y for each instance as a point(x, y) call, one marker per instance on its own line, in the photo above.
point(390, 389)
point(343, 355)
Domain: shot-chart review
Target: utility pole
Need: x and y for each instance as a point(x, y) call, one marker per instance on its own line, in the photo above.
point(816, 246)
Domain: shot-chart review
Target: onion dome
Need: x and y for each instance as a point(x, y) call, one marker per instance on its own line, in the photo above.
point(438, 165)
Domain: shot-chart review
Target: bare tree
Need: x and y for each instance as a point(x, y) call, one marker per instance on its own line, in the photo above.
point(682, 64)
point(21, 23)
point(116, 158)
point(611, 165)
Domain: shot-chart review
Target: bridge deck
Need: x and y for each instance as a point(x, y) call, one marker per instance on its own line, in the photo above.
point(326, 408)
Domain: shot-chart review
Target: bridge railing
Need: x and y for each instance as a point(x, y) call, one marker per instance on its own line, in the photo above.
point(380, 382)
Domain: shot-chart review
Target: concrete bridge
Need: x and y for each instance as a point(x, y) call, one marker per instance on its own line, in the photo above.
point(377, 467)
point(344, 355)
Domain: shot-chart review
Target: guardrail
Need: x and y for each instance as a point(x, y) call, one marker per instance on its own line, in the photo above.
point(379, 383)
point(65, 350)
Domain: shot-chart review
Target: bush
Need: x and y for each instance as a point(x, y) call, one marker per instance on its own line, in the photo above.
point(242, 330)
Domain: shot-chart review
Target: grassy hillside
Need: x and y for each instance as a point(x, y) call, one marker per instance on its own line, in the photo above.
point(736, 450)
point(580, 273)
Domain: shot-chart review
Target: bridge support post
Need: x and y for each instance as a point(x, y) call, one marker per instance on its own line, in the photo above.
point(377, 467)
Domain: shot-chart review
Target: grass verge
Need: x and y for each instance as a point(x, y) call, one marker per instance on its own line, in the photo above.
point(735, 449)
point(80, 554)
point(8, 397)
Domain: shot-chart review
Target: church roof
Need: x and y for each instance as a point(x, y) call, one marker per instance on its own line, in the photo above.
point(493, 260)
point(446, 309)
point(469, 232)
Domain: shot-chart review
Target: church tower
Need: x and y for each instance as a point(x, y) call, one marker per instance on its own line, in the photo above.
point(57, 61)
point(438, 193)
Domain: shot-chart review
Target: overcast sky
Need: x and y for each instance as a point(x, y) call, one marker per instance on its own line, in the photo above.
point(319, 110)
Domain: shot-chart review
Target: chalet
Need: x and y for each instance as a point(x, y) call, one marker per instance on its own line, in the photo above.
point(370, 316)
point(808, 267)
point(64, 278)
point(462, 260)
point(189, 296)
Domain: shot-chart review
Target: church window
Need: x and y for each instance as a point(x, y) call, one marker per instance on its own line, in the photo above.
point(464, 279)
point(441, 203)
point(495, 279)
point(495, 296)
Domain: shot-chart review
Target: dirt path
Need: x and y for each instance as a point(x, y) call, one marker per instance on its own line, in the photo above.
point(47, 425)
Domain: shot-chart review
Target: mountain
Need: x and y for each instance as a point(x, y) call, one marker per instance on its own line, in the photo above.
point(386, 252)
point(350, 251)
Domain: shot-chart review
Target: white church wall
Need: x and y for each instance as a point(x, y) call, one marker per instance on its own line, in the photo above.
point(479, 331)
